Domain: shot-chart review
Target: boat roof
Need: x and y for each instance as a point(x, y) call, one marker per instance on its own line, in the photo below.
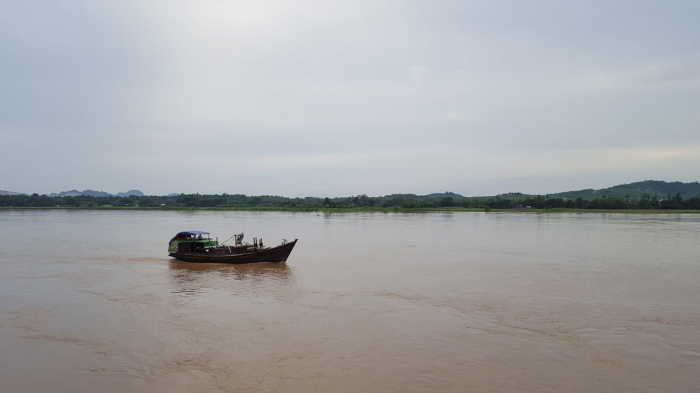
point(193, 233)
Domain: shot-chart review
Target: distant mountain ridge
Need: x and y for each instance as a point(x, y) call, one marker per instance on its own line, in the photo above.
point(636, 190)
point(2, 192)
point(73, 193)
point(446, 194)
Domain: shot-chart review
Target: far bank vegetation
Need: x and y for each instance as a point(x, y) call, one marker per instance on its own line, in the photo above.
point(644, 201)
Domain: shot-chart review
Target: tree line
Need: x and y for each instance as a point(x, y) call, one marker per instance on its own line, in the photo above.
point(403, 201)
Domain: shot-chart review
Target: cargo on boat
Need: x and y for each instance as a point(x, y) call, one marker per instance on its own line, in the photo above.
point(198, 246)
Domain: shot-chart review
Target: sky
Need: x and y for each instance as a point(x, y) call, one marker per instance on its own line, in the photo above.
point(338, 98)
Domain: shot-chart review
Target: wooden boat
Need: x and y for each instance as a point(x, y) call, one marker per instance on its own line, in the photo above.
point(192, 246)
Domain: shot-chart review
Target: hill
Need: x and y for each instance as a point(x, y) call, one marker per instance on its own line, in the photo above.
point(73, 193)
point(636, 190)
point(10, 193)
point(129, 193)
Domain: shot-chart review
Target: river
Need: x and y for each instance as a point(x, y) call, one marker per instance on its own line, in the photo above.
point(382, 302)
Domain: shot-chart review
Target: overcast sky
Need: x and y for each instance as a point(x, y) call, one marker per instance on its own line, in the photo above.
point(336, 98)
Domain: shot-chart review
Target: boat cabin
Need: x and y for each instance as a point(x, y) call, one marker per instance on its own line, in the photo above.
point(191, 242)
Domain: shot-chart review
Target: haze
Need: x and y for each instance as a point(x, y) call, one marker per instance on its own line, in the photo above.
point(343, 98)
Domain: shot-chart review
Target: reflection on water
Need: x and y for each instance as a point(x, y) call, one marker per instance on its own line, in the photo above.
point(198, 278)
point(191, 271)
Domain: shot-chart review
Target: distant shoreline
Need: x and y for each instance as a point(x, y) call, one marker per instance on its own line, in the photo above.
point(367, 209)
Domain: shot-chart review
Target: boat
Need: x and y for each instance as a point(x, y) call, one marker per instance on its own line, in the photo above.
point(198, 246)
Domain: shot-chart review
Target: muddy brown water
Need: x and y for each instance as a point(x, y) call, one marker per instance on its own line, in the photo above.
point(438, 302)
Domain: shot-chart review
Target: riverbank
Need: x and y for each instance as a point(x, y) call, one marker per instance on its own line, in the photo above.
point(366, 209)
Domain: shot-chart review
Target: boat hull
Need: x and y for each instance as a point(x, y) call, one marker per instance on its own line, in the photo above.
point(273, 254)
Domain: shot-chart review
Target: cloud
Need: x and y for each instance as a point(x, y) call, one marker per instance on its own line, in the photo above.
point(349, 96)
point(425, 168)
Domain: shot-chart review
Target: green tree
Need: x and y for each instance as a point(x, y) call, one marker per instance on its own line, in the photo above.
point(447, 202)
point(187, 199)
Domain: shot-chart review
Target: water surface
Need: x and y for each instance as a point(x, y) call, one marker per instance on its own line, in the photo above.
point(475, 302)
